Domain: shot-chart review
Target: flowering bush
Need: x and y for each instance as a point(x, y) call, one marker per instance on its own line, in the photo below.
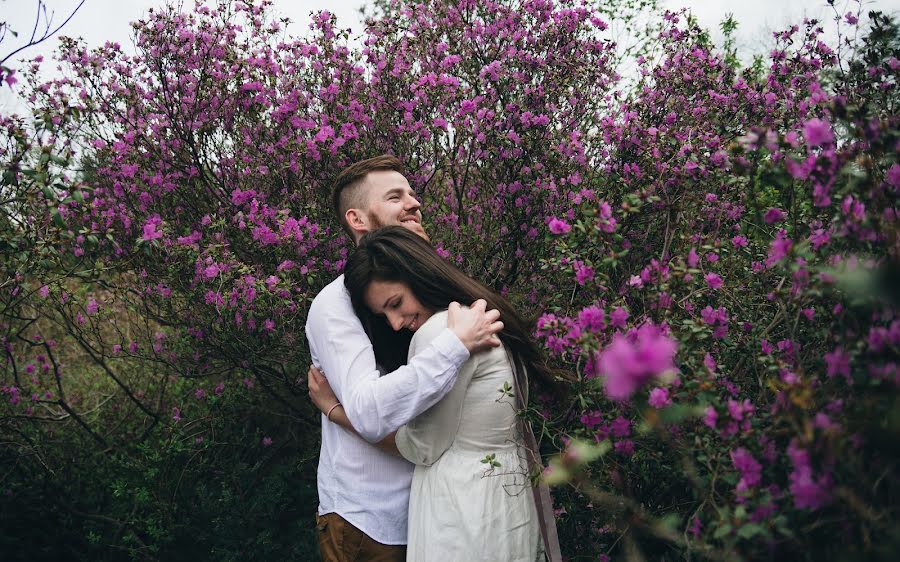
point(710, 250)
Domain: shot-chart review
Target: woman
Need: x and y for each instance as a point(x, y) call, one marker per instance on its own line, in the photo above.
point(471, 496)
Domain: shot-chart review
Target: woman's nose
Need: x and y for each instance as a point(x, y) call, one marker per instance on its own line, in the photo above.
point(395, 321)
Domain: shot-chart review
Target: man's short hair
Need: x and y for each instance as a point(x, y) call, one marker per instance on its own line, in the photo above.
point(348, 193)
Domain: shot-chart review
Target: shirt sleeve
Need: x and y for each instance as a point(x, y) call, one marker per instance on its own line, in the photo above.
point(424, 439)
point(378, 405)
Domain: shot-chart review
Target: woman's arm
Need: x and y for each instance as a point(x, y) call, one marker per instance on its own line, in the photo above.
point(425, 438)
point(323, 397)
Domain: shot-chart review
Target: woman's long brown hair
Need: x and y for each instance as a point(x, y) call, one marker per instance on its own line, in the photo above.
point(395, 254)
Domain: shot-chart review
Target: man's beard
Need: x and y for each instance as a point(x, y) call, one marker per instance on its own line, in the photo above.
point(376, 224)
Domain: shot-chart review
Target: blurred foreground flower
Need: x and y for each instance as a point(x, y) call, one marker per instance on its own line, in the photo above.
point(631, 360)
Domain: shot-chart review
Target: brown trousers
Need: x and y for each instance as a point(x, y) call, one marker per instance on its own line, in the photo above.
point(339, 541)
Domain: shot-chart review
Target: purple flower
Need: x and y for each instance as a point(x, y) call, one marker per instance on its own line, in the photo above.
point(710, 417)
point(92, 307)
point(774, 215)
point(592, 318)
point(591, 420)
point(838, 363)
point(659, 398)
point(738, 410)
point(749, 468)
point(714, 281)
point(809, 492)
point(620, 427)
point(819, 238)
point(266, 441)
point(779, 248)
point(559, 227)
point(631, 361)
point(583, 274)
point(739, 241)
point(693, 259)
point(618, 317)
point(625, 447)
point(10, 79)
point(817, 132)
point(150, 228)
point(893, 175)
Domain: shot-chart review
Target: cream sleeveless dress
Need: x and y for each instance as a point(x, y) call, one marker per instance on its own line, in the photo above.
point(462, 509)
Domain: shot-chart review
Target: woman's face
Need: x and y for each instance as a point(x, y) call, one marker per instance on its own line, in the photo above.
point(395, 301)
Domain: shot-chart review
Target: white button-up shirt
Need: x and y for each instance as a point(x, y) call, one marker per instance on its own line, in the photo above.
point(364, 485)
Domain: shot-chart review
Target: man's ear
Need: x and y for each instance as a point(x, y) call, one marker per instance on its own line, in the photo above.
point(358, 221)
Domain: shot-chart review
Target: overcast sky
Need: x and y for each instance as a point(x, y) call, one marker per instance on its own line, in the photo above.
point(107, 20)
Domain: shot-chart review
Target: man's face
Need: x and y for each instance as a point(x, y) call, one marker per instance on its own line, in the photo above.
point(392, 202)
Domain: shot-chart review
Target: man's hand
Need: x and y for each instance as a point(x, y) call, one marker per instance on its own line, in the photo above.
point(475, 327)
point(319, 390)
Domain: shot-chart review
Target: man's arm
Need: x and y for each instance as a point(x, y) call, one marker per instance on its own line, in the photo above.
point(323, 397)
point(375, 405)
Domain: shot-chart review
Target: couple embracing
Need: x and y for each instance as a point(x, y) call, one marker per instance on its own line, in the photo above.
point(401, 473)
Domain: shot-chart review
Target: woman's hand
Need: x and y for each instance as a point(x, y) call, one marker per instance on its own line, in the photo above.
point(323, 397)
point(319, 390)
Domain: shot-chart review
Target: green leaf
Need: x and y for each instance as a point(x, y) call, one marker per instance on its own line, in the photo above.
point(722, 531)
point(750, 530)
point(57, 219)
point(675, 413)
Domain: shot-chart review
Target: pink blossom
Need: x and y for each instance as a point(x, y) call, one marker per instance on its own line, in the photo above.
point(583, 274)
point(774, 215)
point(693, 259)
point(809, 492)
point(892, 177)
point(659, 398)
point(817, 132)
point(559, 227)
point(631, 361)
point(779, 248)
point(710, 417)
point(618, 317)
point(713, 281)
point(838, 363)
point(150, 228)
point(749, 468)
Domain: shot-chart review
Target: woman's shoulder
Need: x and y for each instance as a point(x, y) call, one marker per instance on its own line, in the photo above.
point(432, 327)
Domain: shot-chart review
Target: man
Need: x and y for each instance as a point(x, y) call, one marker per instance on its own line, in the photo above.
point(364, 491)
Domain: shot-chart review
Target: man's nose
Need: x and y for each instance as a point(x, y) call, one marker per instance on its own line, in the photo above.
point(412, 203)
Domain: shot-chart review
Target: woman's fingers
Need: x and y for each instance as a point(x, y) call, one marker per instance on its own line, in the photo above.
point(314, 379)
